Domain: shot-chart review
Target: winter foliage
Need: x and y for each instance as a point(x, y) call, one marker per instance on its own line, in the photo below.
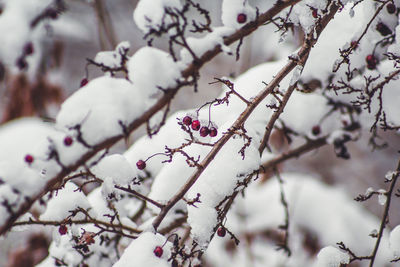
point(209, 185)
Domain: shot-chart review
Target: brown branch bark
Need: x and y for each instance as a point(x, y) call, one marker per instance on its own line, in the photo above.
point(294, 153)
point(69, 222)
point(169, 94)
point(302, 57)
point(385, 216)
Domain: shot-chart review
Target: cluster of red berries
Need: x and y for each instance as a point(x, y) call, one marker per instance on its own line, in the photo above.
point(371, 62)
point(196, 126)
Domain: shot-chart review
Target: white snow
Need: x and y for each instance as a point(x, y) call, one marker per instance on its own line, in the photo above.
point(98, 108)
point(114, 170)
point(232, 8)
point(140, 252)
point(394, 241)
point(149, 14)
point(332, 257)
point(151, 69)
point(65, 200)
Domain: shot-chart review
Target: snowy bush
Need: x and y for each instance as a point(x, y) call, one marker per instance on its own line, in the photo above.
point(210, 185)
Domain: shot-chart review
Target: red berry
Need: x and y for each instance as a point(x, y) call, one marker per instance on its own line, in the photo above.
point(315, 13)
point(241, 18)
point(68, 141)
point(187, 120)
point(213, 132)
point(158, 251)
point(29, 158)
point(84, 81)
point(391, 8)
point(62, 229)
point(316, 130)
point(204, 131)
point(28, 48)
point(371, 62)
point(221, 232)
point(52, 13)
point(383, 29)
point(21, 63)
point(140, 164)
point(196, 125)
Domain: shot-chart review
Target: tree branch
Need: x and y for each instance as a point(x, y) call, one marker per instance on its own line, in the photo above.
point(166, 98)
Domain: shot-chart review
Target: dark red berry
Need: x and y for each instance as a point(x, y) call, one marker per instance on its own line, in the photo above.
point(213, 132)
point(84, 81)
point(371, 62)
point(141, 164)
point(29, 158)
point(196, 125)
point(187, 120)
point(383, 29)
point(204, 131)
point(28, 48)
point(158, 251)
point(241, 18)
point(316, 130)
point(52, 13)
point(21, 63)
point(315, 13)
point(62, 229)
point(68, 141)
point(221, 232)
point(391, 8)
